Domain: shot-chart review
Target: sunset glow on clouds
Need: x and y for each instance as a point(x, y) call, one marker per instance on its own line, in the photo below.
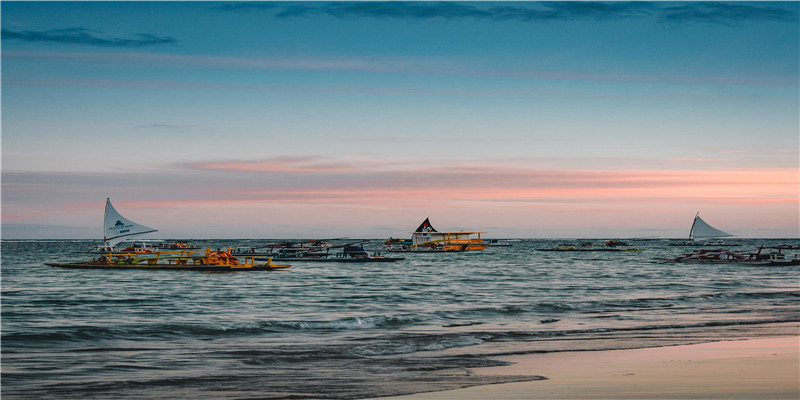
point(361, 119)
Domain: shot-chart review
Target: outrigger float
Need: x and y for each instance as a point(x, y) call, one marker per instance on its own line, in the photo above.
point(427, 239)
point(184, 260)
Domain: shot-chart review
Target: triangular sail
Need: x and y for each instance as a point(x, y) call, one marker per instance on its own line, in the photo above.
point(118, 227)
point(701, 229)
point(425, 227)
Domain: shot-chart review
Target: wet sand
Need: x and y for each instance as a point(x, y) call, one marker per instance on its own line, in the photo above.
point(745, 369)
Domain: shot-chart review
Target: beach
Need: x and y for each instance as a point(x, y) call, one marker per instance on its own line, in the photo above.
point(742, 369)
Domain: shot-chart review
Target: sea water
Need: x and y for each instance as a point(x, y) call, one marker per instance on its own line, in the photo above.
point(346, 331)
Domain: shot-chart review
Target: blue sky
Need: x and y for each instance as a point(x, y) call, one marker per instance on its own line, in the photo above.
point(522, 119)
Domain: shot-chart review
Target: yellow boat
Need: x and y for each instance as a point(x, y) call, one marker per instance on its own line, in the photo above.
point(185, 260)
point(427, 239)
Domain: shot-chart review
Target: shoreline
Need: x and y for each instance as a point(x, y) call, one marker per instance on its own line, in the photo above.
point(738, 369)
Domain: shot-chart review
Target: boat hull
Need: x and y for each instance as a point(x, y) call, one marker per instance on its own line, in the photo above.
point(172, 267)
point(573, 250)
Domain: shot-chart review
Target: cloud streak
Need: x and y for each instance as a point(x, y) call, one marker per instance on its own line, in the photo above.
point(87, 37)
point(256, 196)
point(704, 12)
point(497, 182)
point(725, 13)
point(408, 66)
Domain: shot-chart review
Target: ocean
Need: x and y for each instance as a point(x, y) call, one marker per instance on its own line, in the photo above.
point(349, 331)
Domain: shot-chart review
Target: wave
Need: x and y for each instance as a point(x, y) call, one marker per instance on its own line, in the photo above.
point(616, 305)
point(547, 313)
point(414, 343)
point(199, 330)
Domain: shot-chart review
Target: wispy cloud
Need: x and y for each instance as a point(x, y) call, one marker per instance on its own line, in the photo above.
point(503, 182)
point(537, 11)
point(306, 164)
point(410, 66)
point(708, 12)
point(83, 36)
point(166, 127)
point(726, 13)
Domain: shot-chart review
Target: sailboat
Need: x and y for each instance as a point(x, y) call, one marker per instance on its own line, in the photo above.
point(118, 228)
point(702, 230)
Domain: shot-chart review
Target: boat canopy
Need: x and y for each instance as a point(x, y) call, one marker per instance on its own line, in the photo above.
point(426, 227)
point(118, 227)
point(702, 230)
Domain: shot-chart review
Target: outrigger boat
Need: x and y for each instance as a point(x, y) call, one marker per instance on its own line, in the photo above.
point(351, 253)
point(184, 260)
point(428, 239)
point(611, 245)
point(702, 230)
point(758, 256)
point(300, 249)
point(355, 253)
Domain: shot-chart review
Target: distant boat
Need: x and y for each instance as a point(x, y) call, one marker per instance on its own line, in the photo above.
point(118, 228)
point(497, 242)
point(428, 239)
point(355, 253)
point(611, 245)
point(351, 253)
point(775, 256)
point(702, 230)
point(308, 249)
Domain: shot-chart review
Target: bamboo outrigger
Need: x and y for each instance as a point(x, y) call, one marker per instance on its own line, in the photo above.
point(185, 260)
point(427, 239)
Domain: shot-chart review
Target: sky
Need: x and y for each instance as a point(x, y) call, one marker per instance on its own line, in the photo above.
point(361, 119)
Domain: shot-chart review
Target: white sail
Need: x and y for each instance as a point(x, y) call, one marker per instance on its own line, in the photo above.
point(118, 227)
point(701, 229)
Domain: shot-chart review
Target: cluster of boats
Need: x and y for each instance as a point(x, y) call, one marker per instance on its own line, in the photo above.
point(185, 256)
point(425, 239)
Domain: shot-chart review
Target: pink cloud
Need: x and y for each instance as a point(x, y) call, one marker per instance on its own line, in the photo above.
point(772, 186)
point(303, 192)
point(13, 217)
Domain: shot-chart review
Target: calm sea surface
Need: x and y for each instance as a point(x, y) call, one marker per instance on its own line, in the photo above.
point(346, 331)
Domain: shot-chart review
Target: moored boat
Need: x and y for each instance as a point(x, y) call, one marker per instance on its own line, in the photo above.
point(355, 253)
point(185, 260)
point(763, 255)
point(428, 239)
point(351, 253)
point(611, 245)
point(287, 249)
